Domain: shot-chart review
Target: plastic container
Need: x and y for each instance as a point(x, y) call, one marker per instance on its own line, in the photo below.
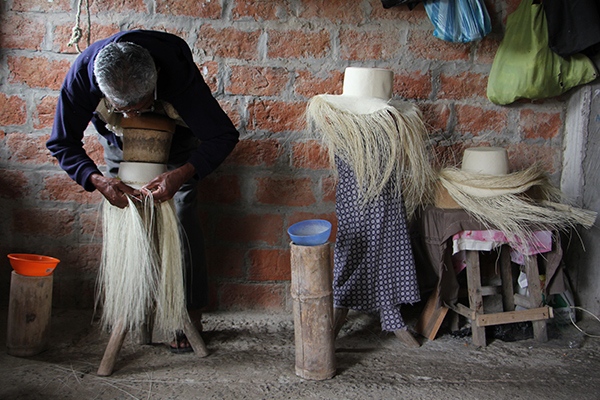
point(312, 232)
point(32, 264)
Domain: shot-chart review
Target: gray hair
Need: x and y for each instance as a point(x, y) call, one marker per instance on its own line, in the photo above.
point(125, 73)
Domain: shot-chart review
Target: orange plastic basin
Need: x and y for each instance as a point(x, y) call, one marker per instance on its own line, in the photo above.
point(33, 265)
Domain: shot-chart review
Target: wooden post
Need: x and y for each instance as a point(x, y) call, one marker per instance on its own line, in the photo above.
point(540, 332)
point(312, 296)
point(29, 313)
point(475, 297)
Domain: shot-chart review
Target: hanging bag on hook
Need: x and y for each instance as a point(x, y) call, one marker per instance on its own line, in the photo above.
point(458, 21)
point(524, 65)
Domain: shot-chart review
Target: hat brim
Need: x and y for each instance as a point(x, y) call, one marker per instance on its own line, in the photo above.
point(356, 104)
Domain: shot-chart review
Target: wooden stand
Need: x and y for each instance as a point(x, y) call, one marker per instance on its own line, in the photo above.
point(117, 338)
point(312, 296)
point(29, 314)
point(535, 311)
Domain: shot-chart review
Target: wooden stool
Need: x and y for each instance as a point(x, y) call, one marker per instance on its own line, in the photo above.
point(145, 337)
point(534, 310)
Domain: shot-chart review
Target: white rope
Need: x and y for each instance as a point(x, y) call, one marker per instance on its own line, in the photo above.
point(578, 328)
point(77, 33)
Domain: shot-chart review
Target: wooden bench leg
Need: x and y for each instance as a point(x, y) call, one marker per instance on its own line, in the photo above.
point(431, 317)
point(194, 338)
point(475, 297)
point(112, 350)
point(540, 332)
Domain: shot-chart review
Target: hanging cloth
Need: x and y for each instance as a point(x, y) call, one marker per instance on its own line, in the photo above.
point(573, 26)
point(524, 65)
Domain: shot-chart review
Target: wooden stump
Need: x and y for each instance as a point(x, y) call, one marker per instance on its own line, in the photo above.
point(312, 296)
point(29, 314)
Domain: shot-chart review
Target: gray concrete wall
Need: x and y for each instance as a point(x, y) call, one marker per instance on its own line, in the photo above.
point(581, 182)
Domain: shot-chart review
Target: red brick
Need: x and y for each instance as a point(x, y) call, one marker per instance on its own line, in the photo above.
point(38, 72)
point(436, 117)
point(240, 44)
point(462, 86)
point(62, 188)
point(337, 11)
point(225, 262)
point(373, 45)
point(269, 265)
point(536, 125)
point(487, 49)
point(262, 228)
point(190, 8)
point(312, 154)
point(402, 12)
point(276, 116)
point(255, 152)
point(63, 33)
point(12, 110)
point(123, 6)
point(328, 186)
point(265, 10)
point(43, 114)
point(91, 224)
point(19, 32)
point(85, 258)
point(448, 156)
point(308, 84)
point(41, 6)
point(210, 73)
point(413, 85)
point(293, 192)
point(523, 155)
point(422, 44)
point(476, 120)
point(298, 44)
point(222, 189)
point(28, 149)
point(94, 149)
point(256, 81)
point(13, 184)
point(269, 297)
point(38, 221)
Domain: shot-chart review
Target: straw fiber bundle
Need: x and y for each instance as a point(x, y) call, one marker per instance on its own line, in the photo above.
point(387, 145)
point(141, 268)
point(504, 202)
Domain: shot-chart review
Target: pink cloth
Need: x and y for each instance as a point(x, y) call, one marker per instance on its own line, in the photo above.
point(541, 242)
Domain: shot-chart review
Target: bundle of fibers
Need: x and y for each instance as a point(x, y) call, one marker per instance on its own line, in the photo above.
point(141, 268)
point(501, 202)
point(383, 146)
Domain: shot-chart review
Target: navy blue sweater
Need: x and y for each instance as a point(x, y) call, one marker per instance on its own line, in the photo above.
point(179, 83)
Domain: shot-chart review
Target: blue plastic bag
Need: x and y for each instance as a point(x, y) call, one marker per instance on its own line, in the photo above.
point(458, 21)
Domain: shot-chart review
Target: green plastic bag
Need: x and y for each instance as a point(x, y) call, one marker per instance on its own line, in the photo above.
point(525, 67)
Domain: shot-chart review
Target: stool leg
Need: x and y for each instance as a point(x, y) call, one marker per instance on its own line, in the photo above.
point(112, 349)
point(475, 298)
point(540, 332)
point(194, 338)
point(146, 330)
point(339, 318)
point(508, 292)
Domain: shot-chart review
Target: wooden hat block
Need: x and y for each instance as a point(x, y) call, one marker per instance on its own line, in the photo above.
point(146, 145)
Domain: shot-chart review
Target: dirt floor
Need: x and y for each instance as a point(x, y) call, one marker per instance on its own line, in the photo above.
point(253, 356)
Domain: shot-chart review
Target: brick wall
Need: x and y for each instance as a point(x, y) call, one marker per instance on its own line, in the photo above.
point(263, 59)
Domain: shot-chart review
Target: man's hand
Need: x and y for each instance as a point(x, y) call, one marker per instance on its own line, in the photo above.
point(164, 186)
point(114, 190)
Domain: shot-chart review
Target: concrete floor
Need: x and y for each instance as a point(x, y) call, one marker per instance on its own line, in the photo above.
point(253, 356)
